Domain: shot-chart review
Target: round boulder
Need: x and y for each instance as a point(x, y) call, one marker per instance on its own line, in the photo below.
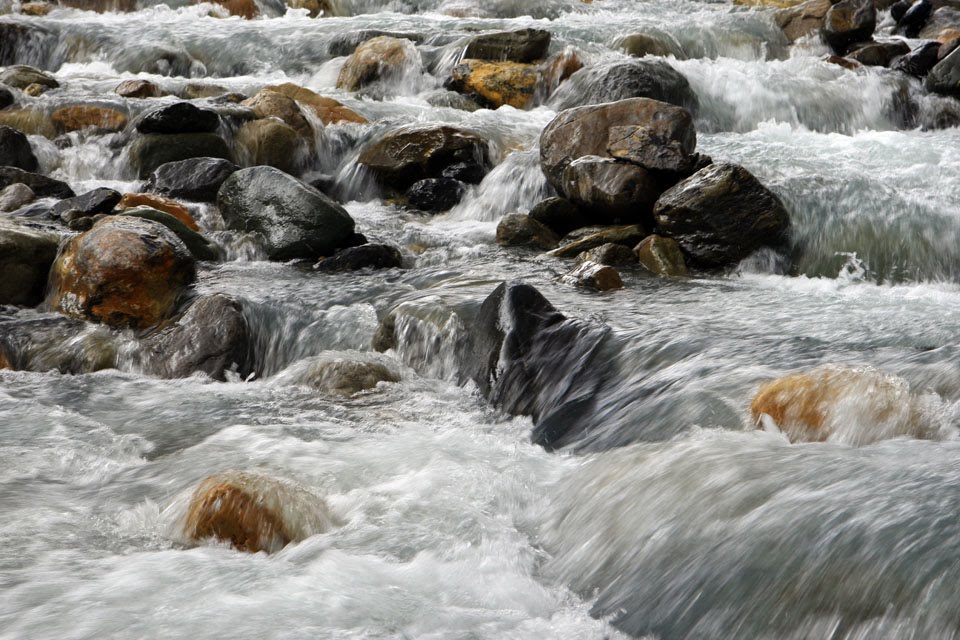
point(610, 191)
point(15, 150)
point(435, 194)
point(27, 251)
point(181, 117)
point(197, 179)
point(380, 59)
point(520, 230)
point(610, 82)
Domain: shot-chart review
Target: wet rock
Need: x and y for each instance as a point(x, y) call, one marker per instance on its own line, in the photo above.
point(661, 256)
point(899, 9)
point(32, 122)
point(946, 48)
point(915, 18)
point(610, 254)
point(495, 84)
point(101, 200)
point(802, 20)
point(41, 185)
point(846, 63)
point(38, 9)
point(848, 22)
point(377, 60)
point(559, 215)
point(27, 251)
point(452, 100)
point(628, 235)
point(641, 44)
point(6, 98)
point(35, 90)
point(879, 54)
point(520, 230)
point(254, 512)
point(296, 220)
point(610, 82)
point(16, 196)
point(465, 172)
point(200, 90)
point(435, 194)
point(270, 143)
point(944, 78)
point(647, 132)
point(720, 215)
point(920, 61)
point(854, 406)
point(366, 256)
point(523, 45)
point(610, 191)
point(211, 337)
point(84, 117)
point(246, 9)
point(197, 179)
point(15, 150)
point(180, 117)
point(166, 205)
point(271, 104)
point(200, 248)
point(56, 343)
point(338, 376)
point(125, 272)
point(149, 152)
point(408, 154)
point(21, 76)
point(590, 275)
point(557, 69)
point(343, 44)
point(328, 110)
point(138, 89)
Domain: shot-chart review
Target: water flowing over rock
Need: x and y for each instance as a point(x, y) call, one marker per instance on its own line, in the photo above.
point(79, 118)
point(329, 111)
point(367, 256)
point(181, 117)
point(270, 143)
point(341, 375)
point(27, 251)
point(610, 254)
point(272, 104)
point(381, 59)
point(124, 272)
point(920, 61)
point(56, 343)
point(720, 215)
point(559, 215)
point(192, 179)
point(523, 45)
point(15, 150)
point(804, 19)
point(295, 220)
point(645, 78)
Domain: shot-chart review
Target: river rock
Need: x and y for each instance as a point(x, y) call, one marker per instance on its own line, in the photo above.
point(149, 152)
point(628, 235)
point(416, 152)
point(720, 215)
point(520, 230)
point(30, 121)
point(270, 143)
point(848, 22)
point(15, 196)
point(855, 406)
point(101, 200)
point(296, 220)
point(200, 248)
point(559, 215)
point(435, 194)
point(197, 179)
point(346, 42)
point(271, 104)
point(138, 89)
point(124, 272)
point(523, 45)
point(27, 250)
point(944, 78)
point(166, 205)
point(246, 9)
point(661, 256)
point(639, 45)
point(6, 98)
point(495, 84)
point(610, 191)
point(648, 132)
point(211, 337)
point(915, 18)
point(610, 254)
point(254, 512)
point(920, 61)
point(620, 80)
point(378, 60)
point(41, 185)
point(802, 20)
point(366, 256)
point(335, 375)
point(70, 119)
point(879, 54)
point(452, 100)
point(15, 150)
point(21, 76)
point(328, 110)
point(55, 343)
point(180, 117)
point(590, 275)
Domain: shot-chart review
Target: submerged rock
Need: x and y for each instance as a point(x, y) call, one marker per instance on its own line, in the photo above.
point(296, 220)
point(15, 150)
point(520, 230)
point(920, 61)
point(944, 77)
point(646, 78)
point(21, 76)
point(879, 54)
point(69, 119)
point(41, 185)
point(639, 45)
point(273, 104)
point(56, 343)
point(27, 251)
point(192, 179)
point(522, 45)
point(366, 256)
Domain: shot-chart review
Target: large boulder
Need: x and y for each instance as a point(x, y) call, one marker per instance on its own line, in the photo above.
point(196, 179)
point(77, 118)
point(408, 154)
point(41, 185)
point(124, 272)
point(296, 220)
point(149, 152)
point(211, 337)
point(328, 110)
point(610, 191)
point(269, 143)
point(720, 215)
point(380, 59)
point(645, 132)
point(495, 84)
point(180, 117)
point(15, 196)
point(15, 150)
point(944, 77)
point(520, 230)
point(802, 20)
point(273, 104)
point(522, 45)
point(915, 18)
point(610, 82)
point(254, 512)
point(849, 22)
point(920, 61)
point(27, 251)
point(20, 76)
point(101, 200)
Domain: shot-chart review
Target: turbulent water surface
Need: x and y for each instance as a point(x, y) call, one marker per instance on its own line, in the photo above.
point(454, 525)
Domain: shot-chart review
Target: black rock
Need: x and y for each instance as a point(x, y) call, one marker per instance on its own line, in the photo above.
point(879, 54)
point(372, 256)
point(559, 215)
point(466, 172)
point(101, 200)
point(6, 98)
point(15, 150)
point(521, 230)
point(196, 179)
point(150, 152)
point(944, 78)
point(181, 117)
point(524, 45)
point(898, 9)
point(914, 19)
point(918, 62)
point(42, 186)
point(626, 79)
point(435, 194)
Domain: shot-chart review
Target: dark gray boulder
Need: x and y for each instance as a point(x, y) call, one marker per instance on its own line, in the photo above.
point(41, 185)
point(610, 82)
point(27, 251)
point(100, 200)
point(181, 117)
point(149, 152)
point(920, 61)
point(523, 45)
point(435, 194)
point(196, 179)
point(944, 78)
point(367, 256)
point(849, 22)
point(15, 150)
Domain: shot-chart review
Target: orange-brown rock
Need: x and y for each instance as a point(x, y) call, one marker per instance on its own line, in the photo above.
point(35, 8)
point(558, 67)
point(32, 122)
point(948, 35)
point(246, 9)
point(83, 117)
point(167, 205)
point(851, 405)
point(137, 89)
point(328, 110)
point(380, 58)
point(591, 275)
point(5, 361)
point(271, 104)
point(496, 84)
point(846, 63)
point(254, 512)
point(124, 272)
point(803, 19)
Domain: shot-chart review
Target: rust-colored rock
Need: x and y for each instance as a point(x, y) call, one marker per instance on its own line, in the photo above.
point(83, 117)
point(380, 58)
point(271, 104)
point(246, 9)
point(328, 110)
point(167, 205)
point(38, 9)
point(496, 84)
point(32, 122)
point(124, 272)
point(661, 256)
point(803, 19)
point(137, 89)
point(591, 275)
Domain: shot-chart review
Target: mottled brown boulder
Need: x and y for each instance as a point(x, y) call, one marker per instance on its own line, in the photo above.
point(591, 275)
point(848, 22)
point(520, 230)
point(167, 205)
point(610, 254)
point(661, 256)
point(272, 104)
point(328, 110)
point(495, 84)
point(611, 192)
point(802, 20)
point(628, 235)
point(378, 59)
point(27, 251)
point(21, 76)
point(270, 143)
point(138, 89)
point(84, 117)
point(125, 272)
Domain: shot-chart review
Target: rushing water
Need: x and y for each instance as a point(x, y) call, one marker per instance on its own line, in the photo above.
point(453, 524)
